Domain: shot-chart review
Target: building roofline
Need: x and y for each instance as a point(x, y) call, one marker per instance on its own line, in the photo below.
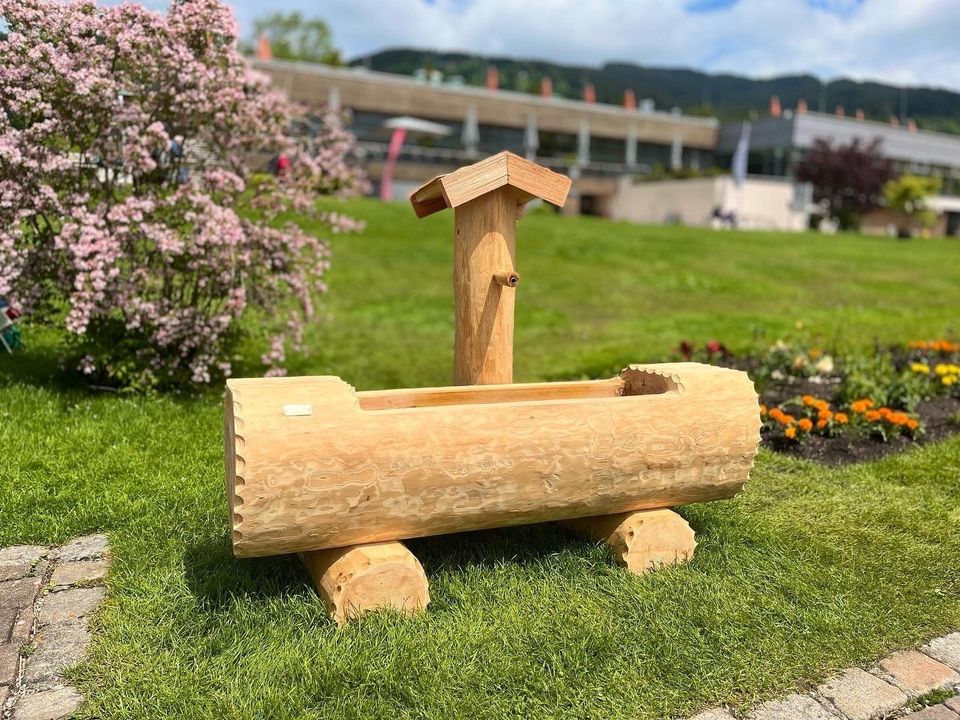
point(483, 93)
point(851, 121)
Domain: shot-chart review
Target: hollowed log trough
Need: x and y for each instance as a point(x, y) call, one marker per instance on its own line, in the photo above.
point(313, 464)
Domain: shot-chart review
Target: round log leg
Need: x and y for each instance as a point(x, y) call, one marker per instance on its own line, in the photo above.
point(642, 540)
point(359, 578)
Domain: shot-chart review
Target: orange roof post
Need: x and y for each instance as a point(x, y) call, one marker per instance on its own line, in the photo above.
point(546, 87)
point(493, 78)
point(589, 93)
point(629, 99)
point(775, 109)
point(487, 198)
point(264, 50)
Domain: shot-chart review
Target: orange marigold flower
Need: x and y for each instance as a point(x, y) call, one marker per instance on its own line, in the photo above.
point(822, 405)
point(776, 413)
point(825, 415)
point(873, 415)
point(898, 418)
point(787, 419)
point(805, 424)
point(913, 424)
point(790, 432)
point(822, 423)
point(885, 412)
point(841, 418)
point(809, 400)
point(861, 406)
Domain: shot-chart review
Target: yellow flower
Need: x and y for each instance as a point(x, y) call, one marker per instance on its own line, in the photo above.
point(942, 369)
point(919, 367)
point(790, 432)
point(949, 379)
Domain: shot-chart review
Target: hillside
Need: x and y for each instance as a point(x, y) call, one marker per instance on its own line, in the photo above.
point(697, 93)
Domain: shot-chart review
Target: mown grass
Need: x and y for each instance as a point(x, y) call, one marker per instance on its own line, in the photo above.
point(809, 570)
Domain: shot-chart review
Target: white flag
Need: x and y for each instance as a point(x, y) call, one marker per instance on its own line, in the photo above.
point(740, 155)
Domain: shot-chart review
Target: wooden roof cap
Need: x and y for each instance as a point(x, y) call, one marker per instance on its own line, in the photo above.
point(470, 182)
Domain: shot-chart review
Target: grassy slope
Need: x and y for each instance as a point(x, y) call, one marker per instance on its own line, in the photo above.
point(809, 570)
point(596, 295)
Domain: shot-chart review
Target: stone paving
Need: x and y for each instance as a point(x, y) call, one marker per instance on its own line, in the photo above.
point(885, 691)
point(47, 596)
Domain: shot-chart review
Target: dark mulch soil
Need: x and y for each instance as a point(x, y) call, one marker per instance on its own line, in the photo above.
point(938, 416)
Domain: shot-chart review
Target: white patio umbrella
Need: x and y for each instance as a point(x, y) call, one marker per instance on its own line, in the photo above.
point(401, 126)
point(416, 125)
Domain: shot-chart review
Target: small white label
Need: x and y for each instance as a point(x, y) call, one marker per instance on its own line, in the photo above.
point(297, 410)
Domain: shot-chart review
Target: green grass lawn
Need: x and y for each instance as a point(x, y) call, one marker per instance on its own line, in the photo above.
point(809, 570)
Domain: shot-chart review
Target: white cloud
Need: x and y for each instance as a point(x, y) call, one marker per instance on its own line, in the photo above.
point(899, 41)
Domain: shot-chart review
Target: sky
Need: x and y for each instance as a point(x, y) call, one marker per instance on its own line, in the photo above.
point(913, 42)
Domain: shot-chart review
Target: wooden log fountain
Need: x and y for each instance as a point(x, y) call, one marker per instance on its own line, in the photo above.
point(342, 476)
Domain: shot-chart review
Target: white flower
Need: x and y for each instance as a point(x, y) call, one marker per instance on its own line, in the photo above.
point(824, 365)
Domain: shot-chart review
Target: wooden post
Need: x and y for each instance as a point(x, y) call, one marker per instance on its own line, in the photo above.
point(487, 199)
point(483, 288)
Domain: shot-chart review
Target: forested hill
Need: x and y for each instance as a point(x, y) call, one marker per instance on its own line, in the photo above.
point(697, 93)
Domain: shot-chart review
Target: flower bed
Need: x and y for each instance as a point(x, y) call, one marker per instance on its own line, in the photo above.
point(854, 408)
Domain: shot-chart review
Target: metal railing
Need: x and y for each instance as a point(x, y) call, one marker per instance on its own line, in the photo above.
point(368, 150)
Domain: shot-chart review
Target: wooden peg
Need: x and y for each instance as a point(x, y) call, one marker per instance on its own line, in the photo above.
point(507, 279)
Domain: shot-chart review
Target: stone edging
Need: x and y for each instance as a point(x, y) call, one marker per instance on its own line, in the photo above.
point(46, 598)
point(884, 691)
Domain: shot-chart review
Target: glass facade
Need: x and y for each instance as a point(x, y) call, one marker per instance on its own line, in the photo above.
point(609, 154)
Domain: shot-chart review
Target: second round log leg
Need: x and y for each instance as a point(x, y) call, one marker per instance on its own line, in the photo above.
point(642, 540)
point(356, 579)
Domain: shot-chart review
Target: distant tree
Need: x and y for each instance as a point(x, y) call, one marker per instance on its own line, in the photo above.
point(848, 179)
point(908, 194)
point(294, 37)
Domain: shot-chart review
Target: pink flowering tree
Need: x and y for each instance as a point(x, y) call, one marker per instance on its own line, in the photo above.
point(129, 210)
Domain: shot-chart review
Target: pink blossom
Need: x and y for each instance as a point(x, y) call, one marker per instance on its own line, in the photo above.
point(122, 179)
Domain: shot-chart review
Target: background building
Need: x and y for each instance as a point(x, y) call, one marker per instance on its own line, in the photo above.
point(777, 144)
point(596, 144)
point(607, 149)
